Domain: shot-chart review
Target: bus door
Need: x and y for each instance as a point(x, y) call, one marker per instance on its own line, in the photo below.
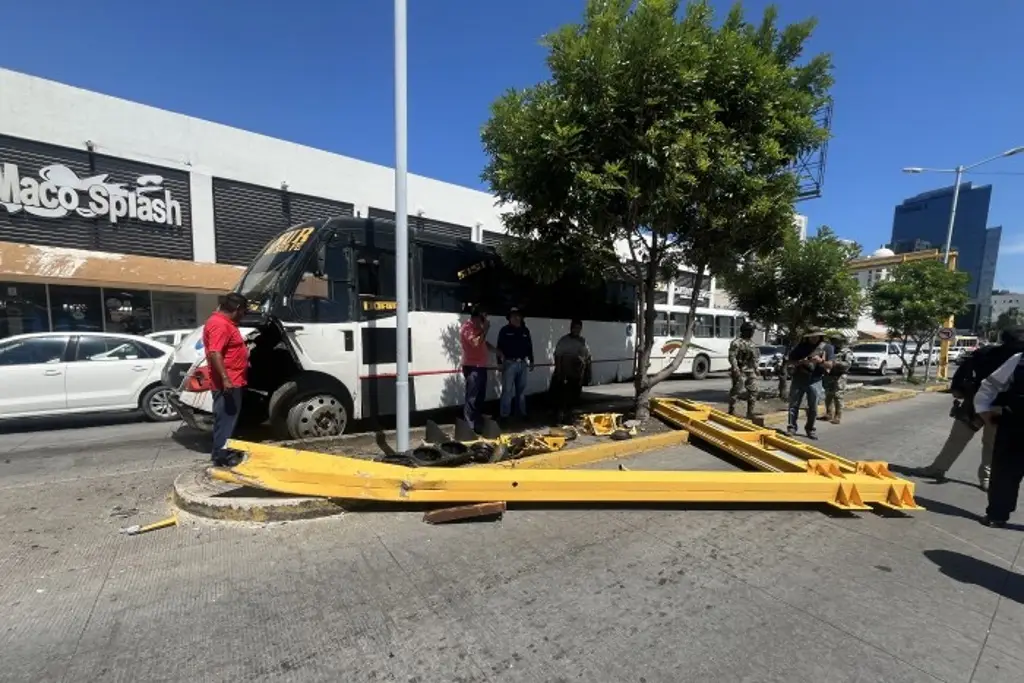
point(321, 327)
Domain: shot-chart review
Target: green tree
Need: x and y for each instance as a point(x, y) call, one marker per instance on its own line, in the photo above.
point(916, 301)
point(657, 141)
point(1008, 319)
point(805, 284)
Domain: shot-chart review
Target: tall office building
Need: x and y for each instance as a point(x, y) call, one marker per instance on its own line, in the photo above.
point(924, 219)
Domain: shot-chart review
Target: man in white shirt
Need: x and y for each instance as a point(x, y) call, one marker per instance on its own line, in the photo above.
point(1000, 401)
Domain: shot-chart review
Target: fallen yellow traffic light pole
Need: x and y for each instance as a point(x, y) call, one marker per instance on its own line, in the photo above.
point(308, 473)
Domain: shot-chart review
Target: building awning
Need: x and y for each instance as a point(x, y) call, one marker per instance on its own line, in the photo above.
point(33, 263)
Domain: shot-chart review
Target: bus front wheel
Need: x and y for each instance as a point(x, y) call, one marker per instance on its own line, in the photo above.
point(701, 367)
point(307, 409)
point(317, 416)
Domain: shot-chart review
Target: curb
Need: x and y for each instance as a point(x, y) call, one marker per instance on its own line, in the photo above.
point(935, 388)
point(866, 402)
point(573, 457)
point(195, 493)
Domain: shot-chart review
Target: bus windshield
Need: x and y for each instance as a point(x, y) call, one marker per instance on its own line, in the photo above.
point(273, 263)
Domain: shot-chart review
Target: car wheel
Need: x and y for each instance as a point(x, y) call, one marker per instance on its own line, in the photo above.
point(317, 416)
point(156, 404)
point(882, 369)
point(701, 367)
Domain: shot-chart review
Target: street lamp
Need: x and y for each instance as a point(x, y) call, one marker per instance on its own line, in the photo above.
point(401, 234)
point(959, 171)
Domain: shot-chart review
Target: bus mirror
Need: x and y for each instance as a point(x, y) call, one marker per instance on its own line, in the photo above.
point(321, 261)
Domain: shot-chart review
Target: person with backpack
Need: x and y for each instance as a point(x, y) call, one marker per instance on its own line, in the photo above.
point(966, 421)
point(999, 402)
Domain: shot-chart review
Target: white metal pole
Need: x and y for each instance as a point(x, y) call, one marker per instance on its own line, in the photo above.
point(945, 257)
point(401, 234)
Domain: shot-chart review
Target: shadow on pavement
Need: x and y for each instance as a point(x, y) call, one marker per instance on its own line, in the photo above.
point(940, 508)
point(967, 569)
point(914, 472)
point(46, 424)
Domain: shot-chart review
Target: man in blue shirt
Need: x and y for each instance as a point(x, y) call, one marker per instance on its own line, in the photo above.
point(811, 359)
point(515, 346)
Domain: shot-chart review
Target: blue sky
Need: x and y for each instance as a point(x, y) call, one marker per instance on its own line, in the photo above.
point(919, 82)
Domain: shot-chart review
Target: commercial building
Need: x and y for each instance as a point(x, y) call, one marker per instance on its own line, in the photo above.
point(119, 216)
point(922, 221)
point(1004, 302)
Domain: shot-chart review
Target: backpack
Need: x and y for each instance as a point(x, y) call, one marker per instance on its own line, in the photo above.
point(979, 365)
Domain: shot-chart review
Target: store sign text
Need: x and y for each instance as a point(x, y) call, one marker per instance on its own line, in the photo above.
point(59, 192)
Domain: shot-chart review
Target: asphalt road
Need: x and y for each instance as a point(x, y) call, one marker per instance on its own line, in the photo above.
point(668, 594)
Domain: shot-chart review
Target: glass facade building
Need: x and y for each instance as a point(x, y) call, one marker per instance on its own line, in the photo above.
point(924, 219)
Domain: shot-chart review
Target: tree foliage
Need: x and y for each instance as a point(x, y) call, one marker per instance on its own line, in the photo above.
point(659, 139)
point(805, 284)
point(917, 300)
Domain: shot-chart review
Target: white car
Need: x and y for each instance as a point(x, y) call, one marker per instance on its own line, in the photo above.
point(60, 373)
point(170, 337)
point(876, 357)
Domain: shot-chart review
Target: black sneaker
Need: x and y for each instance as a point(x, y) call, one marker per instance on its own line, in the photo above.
point(812, 435)
point(791, 430)
point(993, 523)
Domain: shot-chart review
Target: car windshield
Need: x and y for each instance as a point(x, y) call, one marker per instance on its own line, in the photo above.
point(768, 350)
point(870, 348)
point(267, 269)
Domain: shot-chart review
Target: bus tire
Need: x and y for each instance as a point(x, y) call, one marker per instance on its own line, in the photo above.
point(701, 367)
point(309, 407)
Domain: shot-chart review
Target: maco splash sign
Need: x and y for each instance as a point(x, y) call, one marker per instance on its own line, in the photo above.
point(59, 192)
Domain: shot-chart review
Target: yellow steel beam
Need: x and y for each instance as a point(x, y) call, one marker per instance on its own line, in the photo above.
point(306, 473)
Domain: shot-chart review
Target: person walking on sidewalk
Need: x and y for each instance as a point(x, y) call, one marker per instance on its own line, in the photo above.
point(228, 358)
point(810, 359)
point(475, 359)
point(1000, 401)
point(516, 348)
point(572, 371)
point(966, 422)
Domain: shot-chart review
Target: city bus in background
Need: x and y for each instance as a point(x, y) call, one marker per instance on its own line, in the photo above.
point(321, 326)
point(713, 332)
point(962, 347)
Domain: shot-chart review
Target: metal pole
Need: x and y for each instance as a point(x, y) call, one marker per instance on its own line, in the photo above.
point(401, 234)
point(945, 260)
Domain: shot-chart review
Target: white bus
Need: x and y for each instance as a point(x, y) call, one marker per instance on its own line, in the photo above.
point(709, 348)
point(322, 326)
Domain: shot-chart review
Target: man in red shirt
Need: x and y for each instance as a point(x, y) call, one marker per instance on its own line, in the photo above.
point(475, 359)
point(228, 358)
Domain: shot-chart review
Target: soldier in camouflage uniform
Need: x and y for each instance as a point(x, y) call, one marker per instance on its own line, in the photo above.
point(743, 358)
point(835, 380)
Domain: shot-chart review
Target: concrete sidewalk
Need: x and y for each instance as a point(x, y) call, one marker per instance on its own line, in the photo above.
point(673, 595)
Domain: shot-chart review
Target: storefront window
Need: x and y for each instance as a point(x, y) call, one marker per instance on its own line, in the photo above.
point(128, 311)
point(22, 309)
point(76, 308)
point(174, 311)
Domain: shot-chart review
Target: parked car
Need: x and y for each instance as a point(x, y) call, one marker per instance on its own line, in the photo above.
point(170, 337)
point(768, 363)
point(59, 373)
point(876, 357)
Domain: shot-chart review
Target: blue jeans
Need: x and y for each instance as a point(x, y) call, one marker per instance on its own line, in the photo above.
point(476, 393)
point(800, 388)
point(226, 407)
point(513, 385)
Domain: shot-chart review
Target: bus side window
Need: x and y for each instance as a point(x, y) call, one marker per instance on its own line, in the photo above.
point(661, 325)
point(443, 292)
point(725, 327)
point(678, 324)
point(705, 326)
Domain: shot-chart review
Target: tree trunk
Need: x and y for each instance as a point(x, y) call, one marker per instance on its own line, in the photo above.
point(643, 394)
point(645, 342)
